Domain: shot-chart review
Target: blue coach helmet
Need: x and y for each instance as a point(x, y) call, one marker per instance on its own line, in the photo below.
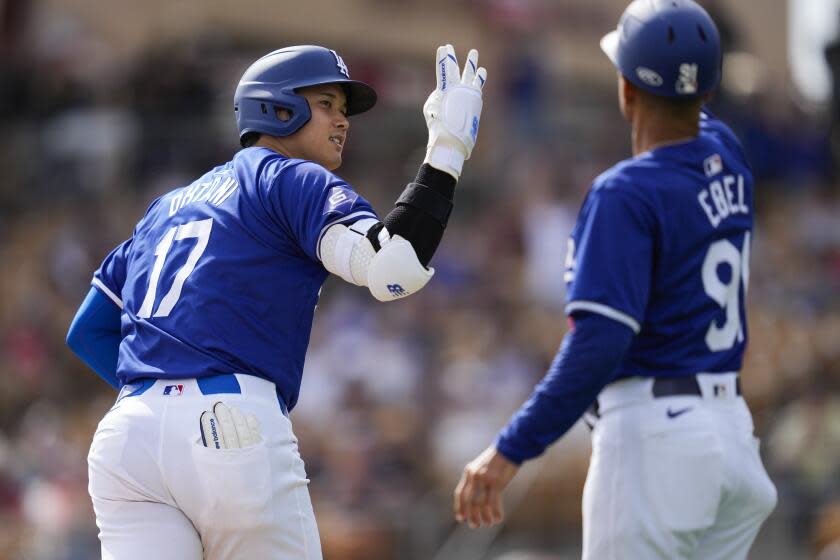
point(271, 81)
point(666, 47)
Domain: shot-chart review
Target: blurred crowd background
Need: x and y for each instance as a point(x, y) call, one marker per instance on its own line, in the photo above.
point(104, 106)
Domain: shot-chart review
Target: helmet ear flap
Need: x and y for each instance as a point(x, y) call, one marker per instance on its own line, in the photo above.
point(297, 108)
point(261, 113)
point(283, 114)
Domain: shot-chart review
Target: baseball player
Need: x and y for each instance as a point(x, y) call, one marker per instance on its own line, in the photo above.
point(657, 273)
point(202, 317)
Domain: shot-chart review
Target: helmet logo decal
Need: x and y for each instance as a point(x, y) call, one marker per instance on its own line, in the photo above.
point(340, 63)
point(687, 81)
point(648, 76)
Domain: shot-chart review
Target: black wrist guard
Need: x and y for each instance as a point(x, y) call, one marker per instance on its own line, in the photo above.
point(428, 201)
point(422, 210)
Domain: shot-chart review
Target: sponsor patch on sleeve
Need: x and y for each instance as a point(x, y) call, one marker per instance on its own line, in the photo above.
point(340, 201)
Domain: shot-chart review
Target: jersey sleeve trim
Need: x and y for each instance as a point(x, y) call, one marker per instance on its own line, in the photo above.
point(348, 217)
point(104, 289)
point(606, 311)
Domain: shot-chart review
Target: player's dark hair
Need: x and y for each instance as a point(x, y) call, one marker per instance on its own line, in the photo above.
point(249, 139)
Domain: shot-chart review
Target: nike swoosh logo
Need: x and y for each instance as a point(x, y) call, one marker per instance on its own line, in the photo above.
point(675, 413)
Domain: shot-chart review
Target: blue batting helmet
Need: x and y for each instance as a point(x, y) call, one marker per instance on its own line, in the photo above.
point(669, 48)
point(271, 82)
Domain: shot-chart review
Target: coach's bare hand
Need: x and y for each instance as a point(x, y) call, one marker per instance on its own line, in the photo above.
point(478, 496)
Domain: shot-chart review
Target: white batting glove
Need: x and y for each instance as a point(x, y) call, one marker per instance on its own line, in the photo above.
point(227, 428)
point(453, 111)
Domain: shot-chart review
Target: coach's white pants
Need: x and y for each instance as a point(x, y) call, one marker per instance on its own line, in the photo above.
point(674, 477)
point(159, 494)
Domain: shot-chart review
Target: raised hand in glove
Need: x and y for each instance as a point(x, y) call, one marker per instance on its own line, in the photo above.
point(453, 111)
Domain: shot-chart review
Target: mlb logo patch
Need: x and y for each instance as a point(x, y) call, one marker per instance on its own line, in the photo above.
point(713, 165)
point(173, 390)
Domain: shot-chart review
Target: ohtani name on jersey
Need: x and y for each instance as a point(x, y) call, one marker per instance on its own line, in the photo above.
point(214, 191)
point(723, 198)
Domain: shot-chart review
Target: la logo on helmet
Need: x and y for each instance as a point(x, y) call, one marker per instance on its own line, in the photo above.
point(340, 63)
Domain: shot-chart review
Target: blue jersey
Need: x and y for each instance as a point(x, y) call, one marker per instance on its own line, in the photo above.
point(223, 275)
point(662, 244)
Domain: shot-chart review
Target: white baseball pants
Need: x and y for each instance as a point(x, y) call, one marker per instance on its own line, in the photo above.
point(676, 477)
point(159, 494)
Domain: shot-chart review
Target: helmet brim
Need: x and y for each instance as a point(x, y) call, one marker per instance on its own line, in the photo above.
point(360, 97)
point(609, 44)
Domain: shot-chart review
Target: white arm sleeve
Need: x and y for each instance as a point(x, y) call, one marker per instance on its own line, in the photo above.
point(391, 273)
